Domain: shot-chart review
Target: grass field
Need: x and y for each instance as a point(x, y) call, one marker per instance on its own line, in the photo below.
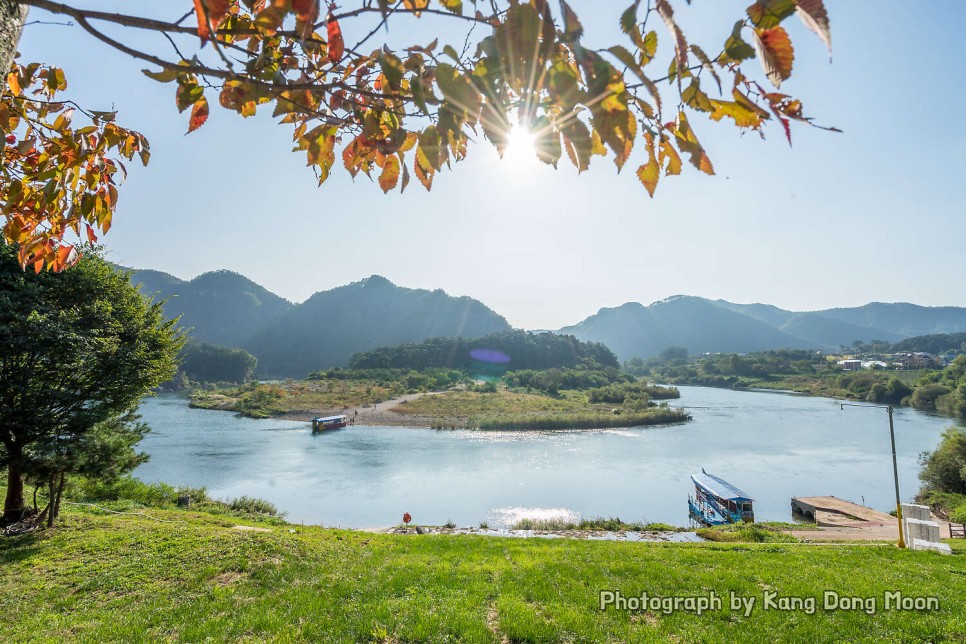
point(265, 400)
point(189, 577)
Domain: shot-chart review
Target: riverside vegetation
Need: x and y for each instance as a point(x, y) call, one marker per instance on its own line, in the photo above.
point(512, 380)
point(158, 572)
point(940, 390)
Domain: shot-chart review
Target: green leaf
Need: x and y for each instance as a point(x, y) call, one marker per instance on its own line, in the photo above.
point(393, 69)
point(452, 53)
point(648, 47)
point(766, 14)
point(163, 76)
point(736, 49)
point(629, 18)
point(695, 98)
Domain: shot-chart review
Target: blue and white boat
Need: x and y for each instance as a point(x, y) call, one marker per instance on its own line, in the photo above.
point(717, 502)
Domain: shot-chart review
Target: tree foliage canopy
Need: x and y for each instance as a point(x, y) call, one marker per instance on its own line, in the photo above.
point(394, 113)
point(77, 349)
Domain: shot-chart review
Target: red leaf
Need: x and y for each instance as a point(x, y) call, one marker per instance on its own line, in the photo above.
point(91, 237)
point(199, 114)
point(336, 44)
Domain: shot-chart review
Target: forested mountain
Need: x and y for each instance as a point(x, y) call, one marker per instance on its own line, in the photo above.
point(695, 323)
point(511, 350)
point(220, 307)
point(700, 326)
point(328, 328)
point(228, 309)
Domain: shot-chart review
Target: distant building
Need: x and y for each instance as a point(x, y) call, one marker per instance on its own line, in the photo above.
point(850, 365)
point(917, 360)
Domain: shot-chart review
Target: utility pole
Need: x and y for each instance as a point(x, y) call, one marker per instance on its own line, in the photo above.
point(895, 465)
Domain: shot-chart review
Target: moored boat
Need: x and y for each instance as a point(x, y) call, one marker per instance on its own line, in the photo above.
point(329, 422)
point(718, 502)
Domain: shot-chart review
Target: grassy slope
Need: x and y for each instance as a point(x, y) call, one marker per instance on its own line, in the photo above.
point(129, 578)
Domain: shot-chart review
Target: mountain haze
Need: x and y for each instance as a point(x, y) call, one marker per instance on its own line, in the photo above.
point(695, 323)
point(717, 326)
point(328, 328)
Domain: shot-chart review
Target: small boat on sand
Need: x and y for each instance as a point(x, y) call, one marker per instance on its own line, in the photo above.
point(329, 422)
point(717, 502)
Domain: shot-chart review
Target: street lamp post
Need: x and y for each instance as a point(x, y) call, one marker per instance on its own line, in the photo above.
point(895, 466)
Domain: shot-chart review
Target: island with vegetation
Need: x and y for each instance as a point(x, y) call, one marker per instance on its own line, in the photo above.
point(508, 380)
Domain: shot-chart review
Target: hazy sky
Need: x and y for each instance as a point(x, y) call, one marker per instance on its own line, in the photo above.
point(876, 213)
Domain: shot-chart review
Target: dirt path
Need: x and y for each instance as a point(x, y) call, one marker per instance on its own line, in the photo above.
point(378, 414)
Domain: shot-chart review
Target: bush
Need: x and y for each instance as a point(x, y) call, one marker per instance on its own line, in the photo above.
point(944, 469)
point(251, 505)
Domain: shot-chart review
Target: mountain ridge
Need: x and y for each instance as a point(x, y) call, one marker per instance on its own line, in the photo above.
point(292, 339)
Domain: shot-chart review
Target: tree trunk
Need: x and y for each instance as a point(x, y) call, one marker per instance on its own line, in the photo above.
point(13, 507)
point(12, 17)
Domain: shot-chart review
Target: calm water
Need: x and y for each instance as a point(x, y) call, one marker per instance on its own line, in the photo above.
point(773, 446)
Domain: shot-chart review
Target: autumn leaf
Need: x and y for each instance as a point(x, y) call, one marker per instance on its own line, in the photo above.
point(416, 6)
point(390, 174)
point(777, 55)
point(649, 173)
point(199, 114)
point(13, 83)
point(336, 44)
point(306, 13)
point(210, 14)
point(813, 14)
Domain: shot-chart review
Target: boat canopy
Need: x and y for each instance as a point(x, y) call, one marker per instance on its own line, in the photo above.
point(719, 487)
point(329, 419)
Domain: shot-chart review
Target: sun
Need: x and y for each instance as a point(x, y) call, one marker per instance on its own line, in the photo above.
point(520, 152)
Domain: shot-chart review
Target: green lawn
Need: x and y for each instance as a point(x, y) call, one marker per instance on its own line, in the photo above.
point(121, 577)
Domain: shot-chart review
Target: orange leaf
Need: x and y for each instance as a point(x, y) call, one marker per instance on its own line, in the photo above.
point(777, 55)
point(390, 174)
point(13, 83)
point(336, 44)
point(210, 13)
point(199, 114)
point(91, 237)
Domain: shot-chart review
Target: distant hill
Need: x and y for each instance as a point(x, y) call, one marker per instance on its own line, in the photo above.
point(701, 325)
point(220, 307)
point(904, 319)
point(695, 323)
point(328, 328)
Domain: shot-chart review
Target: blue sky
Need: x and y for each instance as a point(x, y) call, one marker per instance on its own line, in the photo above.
point(875, 213)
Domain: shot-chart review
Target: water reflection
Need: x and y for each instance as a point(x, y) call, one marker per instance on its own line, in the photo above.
point(774, 446)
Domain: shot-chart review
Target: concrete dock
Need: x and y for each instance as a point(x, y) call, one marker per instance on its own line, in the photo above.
point(834, 512)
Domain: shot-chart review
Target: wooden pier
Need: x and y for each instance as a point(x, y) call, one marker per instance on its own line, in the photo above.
point(834, 512)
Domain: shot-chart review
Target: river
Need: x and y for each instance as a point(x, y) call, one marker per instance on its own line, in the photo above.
point(772, 445)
